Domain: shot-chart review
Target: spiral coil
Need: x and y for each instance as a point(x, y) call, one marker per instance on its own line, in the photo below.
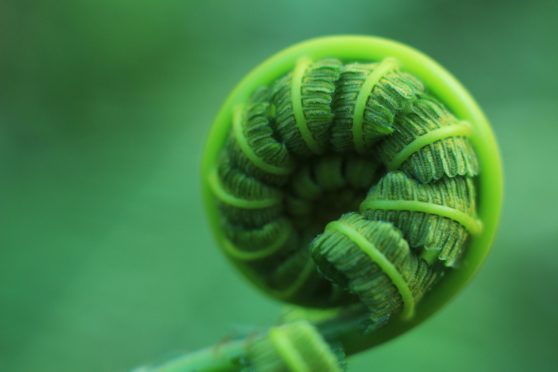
point(347, 182)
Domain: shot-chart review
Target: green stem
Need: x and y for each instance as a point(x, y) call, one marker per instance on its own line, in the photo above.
point(218, 358)
point(226, 357)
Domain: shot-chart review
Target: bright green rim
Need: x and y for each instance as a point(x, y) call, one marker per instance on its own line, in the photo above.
point(442, 84)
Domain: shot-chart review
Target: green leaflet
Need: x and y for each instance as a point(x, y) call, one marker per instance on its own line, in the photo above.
point(448, 155)
point(305, 129)
point(442, 230)
point(253, 146)
point(270, 237)
point(297, 347)
point(358, 127)
point(372, 260)
point(243, 199)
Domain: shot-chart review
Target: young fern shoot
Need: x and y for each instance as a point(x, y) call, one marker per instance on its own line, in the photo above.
point(353, 174)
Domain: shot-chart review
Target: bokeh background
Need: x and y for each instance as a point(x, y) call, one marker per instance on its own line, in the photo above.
point(106, 261)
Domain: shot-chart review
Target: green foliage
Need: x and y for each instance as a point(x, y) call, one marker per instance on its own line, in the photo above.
point(393, 93)
point(373, 261)
point(316, 87)
point(436, 234)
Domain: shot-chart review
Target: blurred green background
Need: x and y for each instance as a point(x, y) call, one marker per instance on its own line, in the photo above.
point(106, 261)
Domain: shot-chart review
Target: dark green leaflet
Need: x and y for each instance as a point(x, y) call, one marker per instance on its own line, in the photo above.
point(253, 136)
point(452, 156)
point(425, 230)
point(307, 151)
point(393, 92)
point(296, 346)
point(249, 191)
point(372, 260)
point(317, 89)
point(270, 234)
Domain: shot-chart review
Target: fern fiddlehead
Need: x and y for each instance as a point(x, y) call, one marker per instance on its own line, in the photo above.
point(350, 173)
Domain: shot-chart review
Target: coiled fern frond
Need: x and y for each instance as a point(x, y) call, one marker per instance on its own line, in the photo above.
point(352, 175)
point(345, 147)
